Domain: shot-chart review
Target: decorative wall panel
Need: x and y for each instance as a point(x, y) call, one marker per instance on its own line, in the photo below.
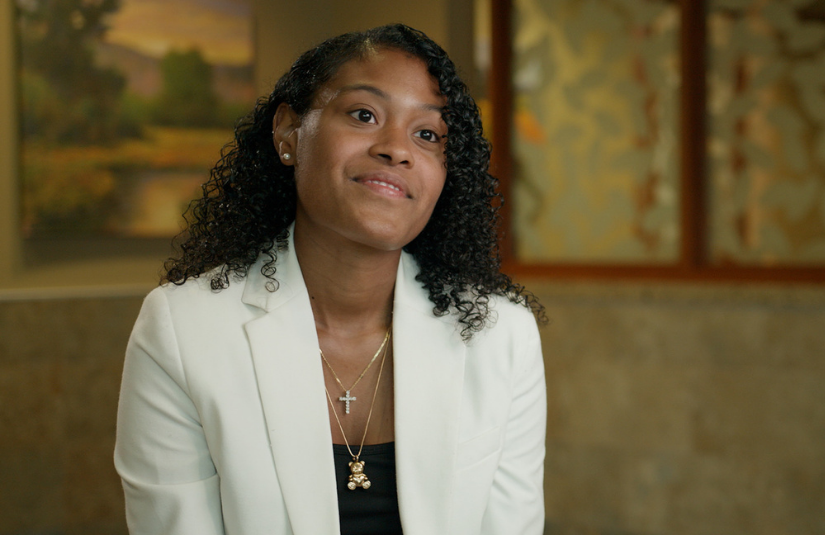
point(766, 144)
point(595, 137)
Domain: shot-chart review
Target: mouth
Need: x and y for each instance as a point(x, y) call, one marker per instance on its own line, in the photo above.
point(384, 184)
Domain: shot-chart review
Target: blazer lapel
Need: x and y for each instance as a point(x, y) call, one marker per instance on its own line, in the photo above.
point(429, 358)
point(428, 372)
point(284, 348)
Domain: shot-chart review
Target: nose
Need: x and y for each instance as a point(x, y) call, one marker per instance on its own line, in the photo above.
point(392, 145)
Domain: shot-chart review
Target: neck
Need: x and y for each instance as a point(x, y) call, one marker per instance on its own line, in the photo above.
point(350, 286)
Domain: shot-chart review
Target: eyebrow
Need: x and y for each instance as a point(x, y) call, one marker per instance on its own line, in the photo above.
point(384, 96)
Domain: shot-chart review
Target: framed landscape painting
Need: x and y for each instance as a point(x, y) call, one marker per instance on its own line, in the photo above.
point(124, 108)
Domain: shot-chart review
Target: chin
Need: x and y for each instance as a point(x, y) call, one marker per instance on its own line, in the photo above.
point(387, 237)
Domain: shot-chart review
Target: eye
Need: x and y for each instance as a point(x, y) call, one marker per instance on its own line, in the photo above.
point(365, 116)
point(428, 135)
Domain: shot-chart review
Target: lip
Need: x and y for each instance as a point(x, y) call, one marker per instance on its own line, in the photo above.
point(383, 183)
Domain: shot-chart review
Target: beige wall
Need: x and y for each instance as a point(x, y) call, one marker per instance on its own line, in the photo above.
point(673, 409)
point(284, 30)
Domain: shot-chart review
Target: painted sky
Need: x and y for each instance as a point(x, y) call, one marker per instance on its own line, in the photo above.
point(221, 29)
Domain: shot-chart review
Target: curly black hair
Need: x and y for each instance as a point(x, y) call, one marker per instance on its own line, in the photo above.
point(250, 199)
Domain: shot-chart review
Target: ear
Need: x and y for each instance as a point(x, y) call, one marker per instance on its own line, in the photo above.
point(284, 135)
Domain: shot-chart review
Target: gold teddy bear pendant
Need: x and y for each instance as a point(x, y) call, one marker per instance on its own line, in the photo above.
point(358, 478)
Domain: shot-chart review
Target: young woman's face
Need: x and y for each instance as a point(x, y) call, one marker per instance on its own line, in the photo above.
point(369, 155)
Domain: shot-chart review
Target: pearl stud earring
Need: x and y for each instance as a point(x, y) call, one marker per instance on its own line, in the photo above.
point(286, 156)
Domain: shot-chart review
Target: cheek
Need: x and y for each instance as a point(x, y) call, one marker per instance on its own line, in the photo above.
point(309, 183)
point(319, 157)
point(437, 190)
point(310, 166)
point(307, 140)
point(437, 186)
point(303, 186)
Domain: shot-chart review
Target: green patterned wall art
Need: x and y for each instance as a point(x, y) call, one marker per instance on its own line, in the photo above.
point(595, 137)
point(766, 140)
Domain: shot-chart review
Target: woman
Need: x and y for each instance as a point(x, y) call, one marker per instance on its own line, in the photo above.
point(335, 349)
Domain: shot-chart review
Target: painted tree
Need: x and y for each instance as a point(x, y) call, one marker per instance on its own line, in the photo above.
point(66, 97)
point(188, 97)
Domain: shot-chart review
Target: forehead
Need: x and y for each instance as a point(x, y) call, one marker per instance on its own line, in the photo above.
point(398, 74)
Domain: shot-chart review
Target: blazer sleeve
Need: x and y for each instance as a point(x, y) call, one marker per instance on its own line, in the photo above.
point(516, 502)
point(170, 483)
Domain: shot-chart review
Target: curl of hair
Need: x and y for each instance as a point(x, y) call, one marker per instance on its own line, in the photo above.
point(250, 199)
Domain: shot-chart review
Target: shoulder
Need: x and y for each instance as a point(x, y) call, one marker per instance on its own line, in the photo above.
point(512, 321)
point(184, 326)
point(510, 342)
point(197, 292)
point(509, 315)
point(193, 308)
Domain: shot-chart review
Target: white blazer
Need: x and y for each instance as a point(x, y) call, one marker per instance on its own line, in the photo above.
point(223, 425)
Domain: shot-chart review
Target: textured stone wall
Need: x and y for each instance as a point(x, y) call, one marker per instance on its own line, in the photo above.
point(60, 368)
point(673, 409)
point(685, 410)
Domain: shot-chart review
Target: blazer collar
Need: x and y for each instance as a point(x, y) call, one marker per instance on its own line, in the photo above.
point(428, 373)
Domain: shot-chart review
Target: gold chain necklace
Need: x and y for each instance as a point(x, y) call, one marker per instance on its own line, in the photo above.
point(347, 398)
point(358, 478)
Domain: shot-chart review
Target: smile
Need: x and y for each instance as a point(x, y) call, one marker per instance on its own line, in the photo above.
point(384, 184)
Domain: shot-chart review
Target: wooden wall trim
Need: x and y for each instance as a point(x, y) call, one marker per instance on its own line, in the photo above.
point(501, 97)
point(666, 273)
point(693, 187)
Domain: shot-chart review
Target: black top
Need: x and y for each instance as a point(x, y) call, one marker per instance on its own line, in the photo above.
point(372, 511)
